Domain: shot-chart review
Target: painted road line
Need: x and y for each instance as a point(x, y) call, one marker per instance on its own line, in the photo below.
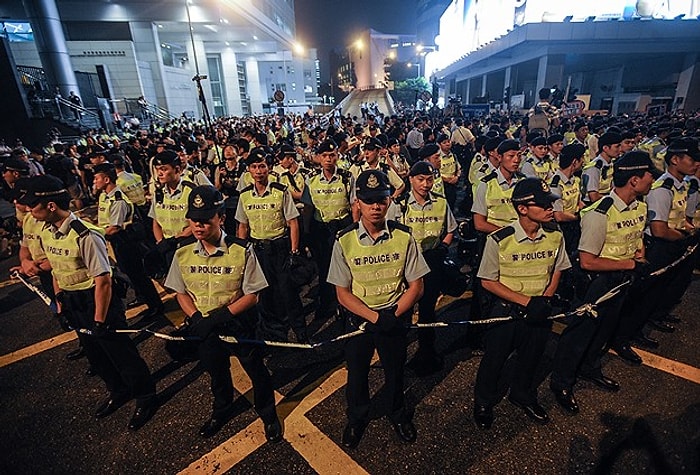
point(666, 365)
point(319, 451)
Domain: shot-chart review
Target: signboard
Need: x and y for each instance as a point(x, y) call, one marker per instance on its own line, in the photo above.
point(573, 108)
point(474, 111)
point(278, 96)
point(517, 101)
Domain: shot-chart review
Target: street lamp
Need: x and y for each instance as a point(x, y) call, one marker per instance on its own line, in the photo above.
point(410, 65)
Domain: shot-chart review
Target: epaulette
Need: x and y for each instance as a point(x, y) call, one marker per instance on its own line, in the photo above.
point(604, 205)
point(79, 227)
point(555, 181)
point(519, 175)
point(391, 224)
point(342, 172)
point(231, 240)
point(693, 186)
point(668, 184)
point(489, 177)
point(437, 195)
point(278, 185)
point(346, 230)
point(502, 233)
point(599, 164)
point(186, 242)
point(118, 195)
point(247, 188)
point(188, 184)
point(551, 226)
point(274, 173)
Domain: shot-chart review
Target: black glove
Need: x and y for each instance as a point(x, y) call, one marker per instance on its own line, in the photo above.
point(166, 245)
point(100, 329)
point(443, 249)
point(63, 321)
point(642, 268)
point(293, 261)
point(387, 320)
point(199, 326)
point(538, 309)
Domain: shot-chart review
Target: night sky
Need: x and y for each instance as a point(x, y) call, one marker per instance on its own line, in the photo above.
point(329, 24)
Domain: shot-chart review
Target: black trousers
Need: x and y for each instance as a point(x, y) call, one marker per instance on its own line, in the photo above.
point(391, 348)
point(322, 237)
point(215, 358)
point(432, 286)
point(451, 195)
point(114, 357)
point(654, 297)
point(280, 303)
point(528, 340)
point(572, 235)
point(585, 339)
point(130, 261)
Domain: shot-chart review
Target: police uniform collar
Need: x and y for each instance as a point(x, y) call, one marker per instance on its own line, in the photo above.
point(678, 185)
point(221, 248)
point(605, 162)
point(254, 191)
point(112, 193)
point(64, 228)
point(173, 193)
point(520, 234)
point(502, 180)
point(362, 233)
point(564, 179)
point(620, 204)
point(413, 201)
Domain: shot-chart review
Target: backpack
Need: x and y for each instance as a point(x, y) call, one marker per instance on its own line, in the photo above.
point(539, 119)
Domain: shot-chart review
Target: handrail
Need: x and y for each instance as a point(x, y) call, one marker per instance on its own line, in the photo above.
point(80, 108)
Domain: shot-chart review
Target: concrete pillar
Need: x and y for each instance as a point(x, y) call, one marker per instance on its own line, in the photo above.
point(506, 80)
point(151, 72)
point(688, 88)
point(51, 44)
point(484, 78)
point(541, 74)
point(467, 95)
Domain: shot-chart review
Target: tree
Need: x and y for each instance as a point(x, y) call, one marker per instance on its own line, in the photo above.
point(409, 90)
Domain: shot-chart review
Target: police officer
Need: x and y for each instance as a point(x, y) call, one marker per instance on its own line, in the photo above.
point(169, 204)
point(432, 226)
point(520, 271)
point(371, 153)
point(330, 192)
point(131, 184)
point(217, 279)
point(610, 251)
point(290, 172)
point(226, 178)
point(538, 163)
point(266, 214)
point(82, 280)
point(377, 269)
point(450, 169)
point(667, 237)
point(597, 175)
point(567, 185)
point(115, 215)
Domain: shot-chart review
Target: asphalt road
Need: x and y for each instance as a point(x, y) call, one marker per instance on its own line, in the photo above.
point(652, 426)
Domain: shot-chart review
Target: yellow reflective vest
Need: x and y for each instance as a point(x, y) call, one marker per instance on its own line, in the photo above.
point(500, 210)
point(31, 236)
point(331, 200)
point(676, 216)
point(427, 225)
point(170, 210)
point(570, 192)
point(104, 205)
point(624, 231)
point(131, 185)
point(265, 213)
point(377, 270)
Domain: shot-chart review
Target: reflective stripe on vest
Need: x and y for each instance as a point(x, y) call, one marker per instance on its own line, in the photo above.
point(544, 169)
point(438, 185)
point(170, 214)
point(526, 267)
point(31, 237)
point(676, 216)
point(499, 208)
point(623, 236)
point(212, 282)
point(426, 224)
point(448, 165)
point(378, 270)
point(265, 213)
point(571, 194)
point(330, 199)
point(104, 206)
point(67, 264)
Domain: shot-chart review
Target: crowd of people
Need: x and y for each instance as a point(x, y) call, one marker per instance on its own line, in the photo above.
point(231, 216)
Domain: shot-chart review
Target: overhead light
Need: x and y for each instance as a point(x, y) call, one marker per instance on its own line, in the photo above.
point(243, 43)
point(227, 43)
point(160, 26)
point(255, 38)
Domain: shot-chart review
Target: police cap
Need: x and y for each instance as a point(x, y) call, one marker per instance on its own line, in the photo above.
point(372, 184)
point(167, 157)
point(105, 168)
point(203, 203)
point(537, 141)
point(285, 150)
point(687, 146)
point(493, 143)
point(422, 168)
point(442, 138)
point(507, 146)
point(570, 153)
point(533, 190)
point(16, 165)
point(633, 162)
point(328, 145)
point(609, 138)
point(42, 188)
point(373, 144)
point(257, 155)
point(554, 138)
point(428, 150)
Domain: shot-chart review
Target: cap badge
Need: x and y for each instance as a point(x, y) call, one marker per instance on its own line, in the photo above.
point(198, 202)
point(545, 187)
point(372, 181)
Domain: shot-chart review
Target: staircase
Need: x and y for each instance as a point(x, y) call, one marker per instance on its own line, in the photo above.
point(351, 103)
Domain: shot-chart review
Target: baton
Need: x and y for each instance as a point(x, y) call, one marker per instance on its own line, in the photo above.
point(40, 293)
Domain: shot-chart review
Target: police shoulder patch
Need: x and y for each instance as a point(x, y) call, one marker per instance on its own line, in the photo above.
point(693, 187)
point(231, 240)
point(668, 184)
point(489, 177)
point(118, 195)
point(599, 164)
point(79, 227)
point(346, 230)
point(188, 184)
point(604, 205)
point(502, 233)
point(247, 188)
point(391, 224)
point(555, 181)
point(550, 226)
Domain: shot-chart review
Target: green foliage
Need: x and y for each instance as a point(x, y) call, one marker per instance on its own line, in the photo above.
point(408, 91)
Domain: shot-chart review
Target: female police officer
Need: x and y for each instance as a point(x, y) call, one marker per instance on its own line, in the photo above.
point(217, 278)
point(377, 269)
